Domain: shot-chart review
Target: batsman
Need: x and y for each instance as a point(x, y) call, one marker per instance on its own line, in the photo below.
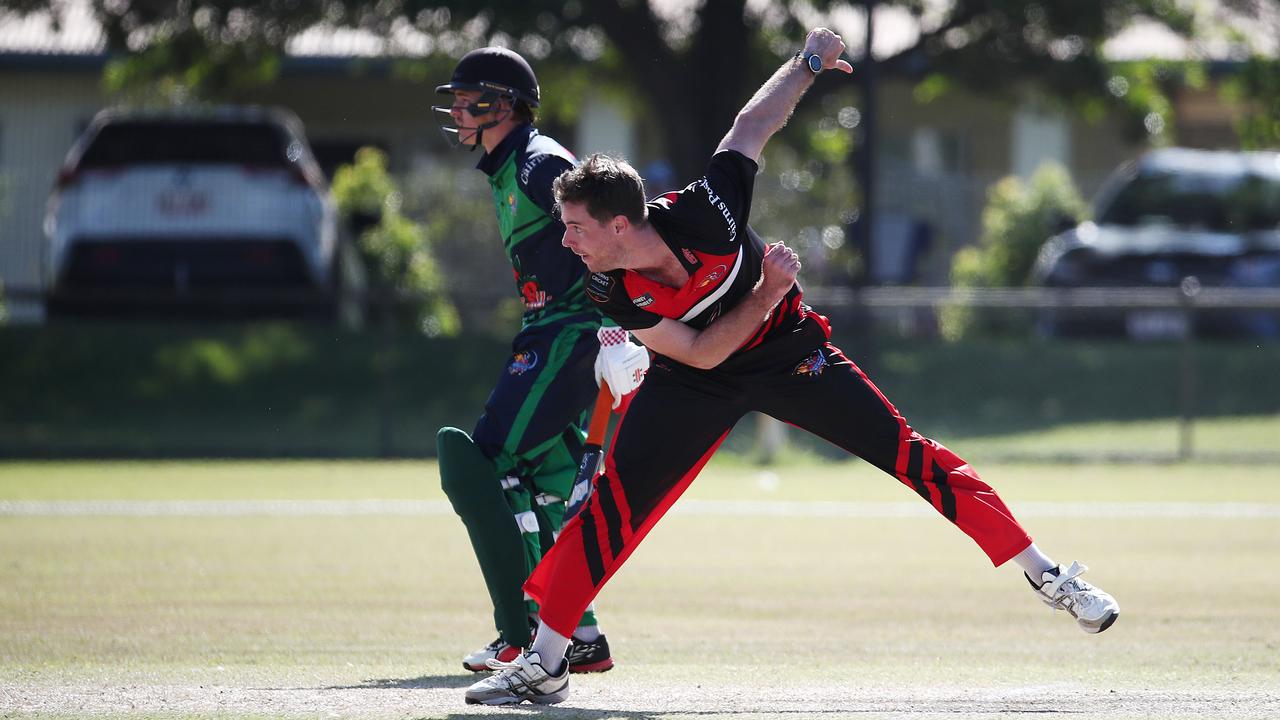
point(510, 478)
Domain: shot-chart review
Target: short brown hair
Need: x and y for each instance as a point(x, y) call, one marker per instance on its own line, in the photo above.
point(608, 186)
point(523, 112)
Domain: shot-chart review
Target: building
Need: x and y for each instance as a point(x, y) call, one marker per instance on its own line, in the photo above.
point(934, 166)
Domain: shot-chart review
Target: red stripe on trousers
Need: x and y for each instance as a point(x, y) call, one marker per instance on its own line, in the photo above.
point(561, 583)
point(980, 513)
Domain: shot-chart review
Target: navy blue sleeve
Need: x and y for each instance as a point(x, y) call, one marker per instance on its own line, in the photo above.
point(543, 265)
point(536, 176)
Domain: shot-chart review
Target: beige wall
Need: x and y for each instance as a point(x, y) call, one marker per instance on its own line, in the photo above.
point(41, 113)
point(394, 114)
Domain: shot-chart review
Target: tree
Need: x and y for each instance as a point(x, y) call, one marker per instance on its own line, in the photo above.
point(394, 248)
point(1018, 217)
point(691, 66)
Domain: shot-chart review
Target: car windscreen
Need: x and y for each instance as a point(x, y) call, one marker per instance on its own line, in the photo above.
point(1206, 201)
point(132, 143)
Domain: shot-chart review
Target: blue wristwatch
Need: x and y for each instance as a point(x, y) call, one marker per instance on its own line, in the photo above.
point(812, 60)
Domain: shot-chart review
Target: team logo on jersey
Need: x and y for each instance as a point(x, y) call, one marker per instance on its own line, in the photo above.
point(644, 300)
point(812, 365)
point(535, 298)
point(599, 285)
point(715, 274)
point(512, 202)
point(688, 255)
point(522, 362)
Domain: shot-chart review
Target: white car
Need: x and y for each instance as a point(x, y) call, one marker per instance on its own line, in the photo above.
point(224, 206)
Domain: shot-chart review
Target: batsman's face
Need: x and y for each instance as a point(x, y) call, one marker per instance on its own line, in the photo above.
point(469, 113)
point(599, 244)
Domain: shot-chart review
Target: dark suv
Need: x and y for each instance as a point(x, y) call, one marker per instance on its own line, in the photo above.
point(1175, 216)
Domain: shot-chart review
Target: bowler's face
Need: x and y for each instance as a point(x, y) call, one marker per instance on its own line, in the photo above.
point(593, 241)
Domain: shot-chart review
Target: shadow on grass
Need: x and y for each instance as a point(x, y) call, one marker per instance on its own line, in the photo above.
point(422, 682)
point(565, 713)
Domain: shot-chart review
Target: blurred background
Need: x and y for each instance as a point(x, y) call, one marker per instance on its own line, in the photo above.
point(1048, 230)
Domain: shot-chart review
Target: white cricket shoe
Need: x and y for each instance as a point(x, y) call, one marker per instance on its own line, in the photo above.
point(523, 679)
point(1062, 589)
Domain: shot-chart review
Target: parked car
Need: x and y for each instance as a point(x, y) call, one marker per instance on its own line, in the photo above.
point(223, 207)
point(1205, 218)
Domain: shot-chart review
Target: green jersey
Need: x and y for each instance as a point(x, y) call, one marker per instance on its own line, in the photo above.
point(548, 276)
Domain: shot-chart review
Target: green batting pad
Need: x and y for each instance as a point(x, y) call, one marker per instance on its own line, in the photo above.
point(471, 482)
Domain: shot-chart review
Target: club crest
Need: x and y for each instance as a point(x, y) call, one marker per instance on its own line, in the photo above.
point(522, 362)
point(716, 273)
point(812, 365)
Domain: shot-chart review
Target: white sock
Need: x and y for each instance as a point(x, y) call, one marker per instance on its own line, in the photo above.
point(551, 647)
point(587, 633)
point(1033, 562)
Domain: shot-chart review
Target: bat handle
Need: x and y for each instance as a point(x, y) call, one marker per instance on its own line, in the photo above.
point(600, 416)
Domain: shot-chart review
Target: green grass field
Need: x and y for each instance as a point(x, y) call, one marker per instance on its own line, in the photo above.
point(268, 609)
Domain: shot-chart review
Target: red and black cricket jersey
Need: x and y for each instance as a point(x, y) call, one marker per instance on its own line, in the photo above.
point(705, 226)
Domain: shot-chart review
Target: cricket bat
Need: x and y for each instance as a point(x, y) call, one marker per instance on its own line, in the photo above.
point(590, 465)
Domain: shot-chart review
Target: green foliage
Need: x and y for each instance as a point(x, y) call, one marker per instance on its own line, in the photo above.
point(395, 248)
point(1018, 218)
point(805, 196)
point(1143, 90)
point(1256, 86)
point(456, 205)
point(272, 389)
point(185, 66)
point(688, 66)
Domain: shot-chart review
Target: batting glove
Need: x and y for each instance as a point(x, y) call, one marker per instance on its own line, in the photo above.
point(621, 363)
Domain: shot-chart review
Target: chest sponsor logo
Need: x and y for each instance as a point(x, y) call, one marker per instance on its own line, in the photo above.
point(644, 300)
point(522, 362)
point(599, 285)
point(535, 298)
point(812, 365)
point(688, 255)
point(716, 273)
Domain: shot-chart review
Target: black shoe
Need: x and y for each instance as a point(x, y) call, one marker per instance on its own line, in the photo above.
point(589, 657)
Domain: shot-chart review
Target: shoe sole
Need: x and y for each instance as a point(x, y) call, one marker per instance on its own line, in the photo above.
point(493, 701)
point(554, 699)
point(596, 667)
point(1105, 624)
